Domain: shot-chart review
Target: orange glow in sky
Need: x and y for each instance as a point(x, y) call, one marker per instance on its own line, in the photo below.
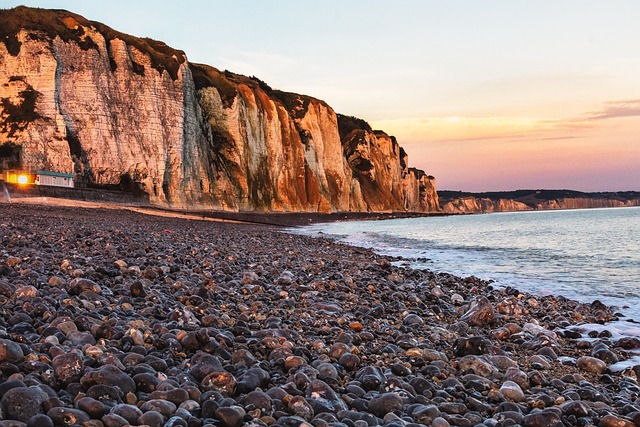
point(599, 151)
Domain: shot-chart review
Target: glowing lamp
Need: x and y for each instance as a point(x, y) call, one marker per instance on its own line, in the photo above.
point(23, 179)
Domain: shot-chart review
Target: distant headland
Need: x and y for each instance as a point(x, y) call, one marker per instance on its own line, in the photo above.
point(526, 200)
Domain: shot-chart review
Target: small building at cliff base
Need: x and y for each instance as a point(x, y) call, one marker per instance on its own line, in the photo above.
point(54, 179)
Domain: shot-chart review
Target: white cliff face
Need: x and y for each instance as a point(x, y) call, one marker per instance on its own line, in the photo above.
point(99, 123)
point(30, 115)
point(115, 110)
point(259, 152)
point(487, 205)
point(586, 203)
point(483, 205)
point(385, 182)
point(428, 196)
point(324, 158)
point(134, 120)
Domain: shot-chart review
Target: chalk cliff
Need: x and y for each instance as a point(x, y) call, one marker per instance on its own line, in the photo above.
point(587, 203)
point(522, 200)
point(79, 97)
point(468, 205)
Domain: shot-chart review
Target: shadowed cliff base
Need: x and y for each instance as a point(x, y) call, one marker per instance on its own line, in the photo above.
point(119, 200)
point(16, 192)
point(298, 219)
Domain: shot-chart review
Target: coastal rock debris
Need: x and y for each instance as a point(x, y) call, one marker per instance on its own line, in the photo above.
point(212, 326)
point(480, 313)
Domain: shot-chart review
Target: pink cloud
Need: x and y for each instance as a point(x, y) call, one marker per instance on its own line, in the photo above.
point(615, 109)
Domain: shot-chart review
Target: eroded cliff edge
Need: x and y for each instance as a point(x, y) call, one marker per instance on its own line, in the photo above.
point(113, 109)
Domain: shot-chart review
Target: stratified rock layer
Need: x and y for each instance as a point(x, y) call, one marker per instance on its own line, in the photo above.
point(81, 98)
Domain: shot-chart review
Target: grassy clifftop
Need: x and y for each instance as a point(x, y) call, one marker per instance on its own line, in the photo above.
point(48, 24)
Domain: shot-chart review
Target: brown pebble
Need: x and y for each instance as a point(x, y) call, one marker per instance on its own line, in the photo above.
point(356, 326)
point(614, 421)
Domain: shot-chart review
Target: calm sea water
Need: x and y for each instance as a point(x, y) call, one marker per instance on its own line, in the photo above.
point(581, 254)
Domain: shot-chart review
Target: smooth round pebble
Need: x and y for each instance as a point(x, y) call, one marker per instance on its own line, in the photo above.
point(384, 403)
point(591, 364)
point(512, 391)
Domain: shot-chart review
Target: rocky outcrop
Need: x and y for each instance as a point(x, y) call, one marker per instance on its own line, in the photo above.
point(116, 110)
point(381, 175)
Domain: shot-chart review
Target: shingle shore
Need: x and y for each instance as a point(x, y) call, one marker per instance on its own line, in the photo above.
point(113, 318)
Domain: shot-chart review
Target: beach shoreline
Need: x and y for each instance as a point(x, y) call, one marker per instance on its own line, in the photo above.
point(280, 219)
point(225, 323)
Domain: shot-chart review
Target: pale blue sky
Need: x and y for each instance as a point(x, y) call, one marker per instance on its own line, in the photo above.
point(486, 95)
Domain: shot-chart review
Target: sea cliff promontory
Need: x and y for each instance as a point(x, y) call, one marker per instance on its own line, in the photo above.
point(454, 202)
point(78, 97)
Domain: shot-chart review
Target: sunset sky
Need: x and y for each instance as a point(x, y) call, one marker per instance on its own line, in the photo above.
point(485, 95)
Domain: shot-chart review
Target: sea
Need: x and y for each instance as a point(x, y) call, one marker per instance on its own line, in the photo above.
point(583, 254)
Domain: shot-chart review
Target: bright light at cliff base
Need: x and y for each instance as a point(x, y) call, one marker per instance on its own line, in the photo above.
point(23, 179)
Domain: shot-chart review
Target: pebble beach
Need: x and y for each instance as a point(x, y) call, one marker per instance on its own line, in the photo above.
point(113, 318)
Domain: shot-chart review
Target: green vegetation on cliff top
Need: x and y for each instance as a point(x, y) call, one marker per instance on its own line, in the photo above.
point(48, 24)
point(226, 83)
point(347, 124)
point(207, 76)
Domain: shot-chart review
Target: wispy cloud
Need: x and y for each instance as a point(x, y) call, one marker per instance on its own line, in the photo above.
point(609, 110)
point(470, 129)
point(506, 129)
point(568, 123)
point(558, 138)
point(616, 109)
